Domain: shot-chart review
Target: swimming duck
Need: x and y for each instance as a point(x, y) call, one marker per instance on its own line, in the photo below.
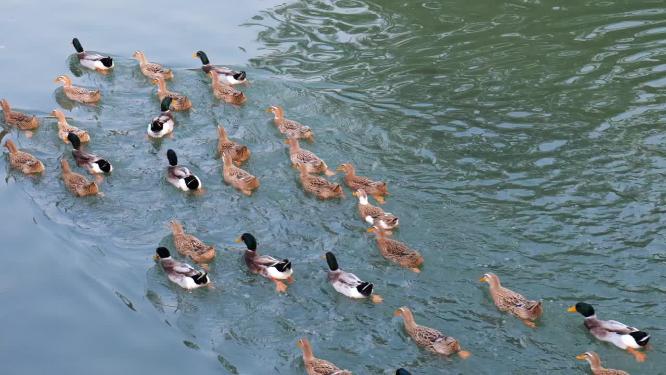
point(23, 161)
point(225, 92)
point(265, 265)
point(319, 186)
point(190, 246)
point(162, 124)
point(93, 61)
point(290, 128)
point(91, 162)
point(312, 162)
point(152, 70)
point(224, 75)
point(509, 301)
point(237, 177)
point(347, 283)
point(239, 153)
point(179, 176)
point(402, 371)
point(619, 334)
point(595, 364)
point(181, 273)
point(374, 215)
point(180, 102)
point(316, 366)
point(18, 119)
point(76, 183)
point(78, 94)
point(397, 251)
point(65, 128)
point(377, 189)
point(428, 338)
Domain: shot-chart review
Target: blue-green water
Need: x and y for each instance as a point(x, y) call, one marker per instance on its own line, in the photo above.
point(521, 137)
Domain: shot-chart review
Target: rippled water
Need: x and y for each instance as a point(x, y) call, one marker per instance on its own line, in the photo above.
point(520, 137)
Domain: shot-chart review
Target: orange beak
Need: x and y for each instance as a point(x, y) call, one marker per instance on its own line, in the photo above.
point(572, 309)
point(581, 357)
point(483, 279)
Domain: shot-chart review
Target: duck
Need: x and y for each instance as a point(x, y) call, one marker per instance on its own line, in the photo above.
point(595, 364)
point(180, 176)
point(179, 103)
point(150, 69)
point(23, 161)
point(317, 366)
point(20, 120)
point(377, 189)
point(181, 273)
point(348, 284)
point(374, 215)
point(429, 338)
point(319, 186)
point(224, 75)
point(90, 60)
point(312, 162)
point(225, 92)
point(163, 124)
point(618, 334)
point(402, 371)
point(190, 246)
point(509, 301)
point(397, 251)
point(91, 162)
point(238, 152)
point(78, 94)
point(265, 265)
point(237, 177)
point(76, 183)
point(65, 128)
point(290, 128)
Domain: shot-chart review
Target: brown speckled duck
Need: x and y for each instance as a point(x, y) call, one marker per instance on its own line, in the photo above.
point(76, 183)
point(428, 338)
point(225, 92)
point(514, 303)
point(237, 177)
point(150, 69)
point(316, 366)
point(23, 161)
point(78, 94)
point(377, 189)
point(312, 162)
point(179, 102)
point(239, 153)
point(64, 128)
point(18, 119)
point(595, 364)
point(397, 251)
point(290, 128)
point(319, 186)
point(190, 246)
point(374, 215)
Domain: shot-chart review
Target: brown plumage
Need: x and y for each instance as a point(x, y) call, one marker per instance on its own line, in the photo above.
point(377, 189)
point(397, 251)
point(429, 338)
point(190, 246)
point(76, 93)
point(18, 119)
point(179, 102)
point(152, 70)
point(23, 161)
point(316, 366)
point(225, 92)
point(64, 128)
point(595, 364)
point(76, 183)
point(290, 128)
point(319, 186)
point(514, 303)
point(239, 153)
point(237, 177)
point(374, 215)
point(312, 162)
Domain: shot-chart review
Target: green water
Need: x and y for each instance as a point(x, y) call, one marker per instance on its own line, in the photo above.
point(521, 137)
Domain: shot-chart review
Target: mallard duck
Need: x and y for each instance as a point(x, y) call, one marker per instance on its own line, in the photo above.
point(64, 128)
point(319, 186)
point(428, 338)
point(190, 246)
point(23, 161)
point(397, 251)
point(239, 153)
point(290, 128)
point(162, 124)
point(18, 119)
point(374, 215)
point(619, 334)
point(237, 177)
point(179, 103)
point(78, 94)
point(347, 283)
point(76, 183)
point(316, 366)
point(181, 273)
point(312, 162)
point(509, 301)
point(224, 75)
point(595, 364)
point(179, 176)
point(377, 189)
point(226, 92)
point(152, 70)
point(266, 265)
point(91, 162)
point(402, 371)
point(91, 60)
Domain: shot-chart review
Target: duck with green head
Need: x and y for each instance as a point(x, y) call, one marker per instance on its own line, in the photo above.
point(224, 75)
point(348, 284)
point(180, 176)
point(163, 124)
point(265, 265)
point(181, 273)
point(91, 162)
point(90, 60)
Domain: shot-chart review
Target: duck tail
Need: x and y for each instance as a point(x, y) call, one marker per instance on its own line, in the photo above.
point(92, 188)
point(107, 61)
point(641, 338)
point(365, 288)
point(283, 266)
point(240, 75)
point(201, 278)
point(77, 45)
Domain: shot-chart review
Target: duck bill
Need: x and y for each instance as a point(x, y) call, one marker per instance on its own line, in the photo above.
point(397, 312)
point(156, 257)
point(483, 279)
point(194, 55)
point(581, 357)
point(370, 230)
point(571, 309)
point(238, 240)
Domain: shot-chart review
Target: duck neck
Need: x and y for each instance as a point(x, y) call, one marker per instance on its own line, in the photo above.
point(494, 283)
point(6, 110)
point(278, 115)
point(222, 134)
point(177, 228)
point(161, 85)
point(66, 82)
point(11, 146)
point(228, 162)
point(65, 166)
point(142, 58)
point(294, 147)
point(61, 119)
point(595, 362)
point(408, 317)
point(363, 200)
point(350, 171)
point(308, 356)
